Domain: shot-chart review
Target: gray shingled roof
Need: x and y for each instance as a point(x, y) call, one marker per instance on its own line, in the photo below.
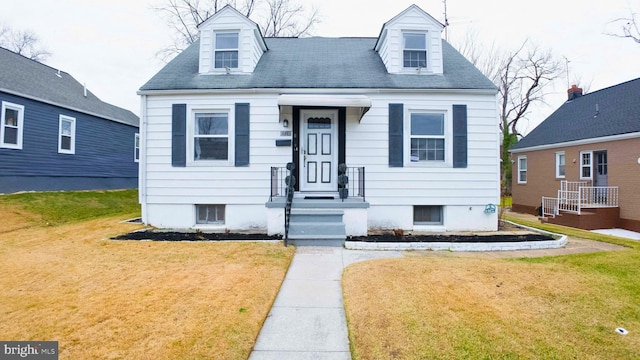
point(611, 111)
point(24, 77)
point(318, 62)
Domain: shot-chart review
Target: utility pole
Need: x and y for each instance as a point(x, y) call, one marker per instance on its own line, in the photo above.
point(446, 21)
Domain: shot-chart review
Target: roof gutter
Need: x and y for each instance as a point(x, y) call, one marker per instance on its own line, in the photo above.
point(618, 137)
point(316, 91)
point(68, 107)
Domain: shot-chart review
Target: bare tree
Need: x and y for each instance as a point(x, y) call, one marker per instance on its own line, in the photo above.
point(23, 42)
point(522, 76)
point(274, 17)
point(628, 27)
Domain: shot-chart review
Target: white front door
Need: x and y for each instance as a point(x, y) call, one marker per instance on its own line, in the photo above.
point(318, 150)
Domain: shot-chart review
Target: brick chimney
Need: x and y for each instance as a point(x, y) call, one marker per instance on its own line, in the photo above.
point(574, 92)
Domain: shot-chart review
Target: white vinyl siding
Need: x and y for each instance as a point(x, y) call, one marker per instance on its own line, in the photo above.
point(560, 165)
point(586, 165)
point(11, 125)
point(522, 170)
point(66, 135)
point(366, 145)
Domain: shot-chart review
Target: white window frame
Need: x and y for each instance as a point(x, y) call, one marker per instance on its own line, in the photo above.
point(561, 155)
point(215, 50)
point(212, 224)
point(72, 141)
point(136, 147)
point(431, 223)
point(582, 166)
point(413, 69)
point(525, 170)
point(448, 138)
point(191, 156)
point(19, 125)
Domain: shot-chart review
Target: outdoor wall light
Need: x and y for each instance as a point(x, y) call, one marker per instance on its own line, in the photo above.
point(285, 123)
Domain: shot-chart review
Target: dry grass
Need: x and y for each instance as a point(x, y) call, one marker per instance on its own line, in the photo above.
point(103, 299)
point(466, 308)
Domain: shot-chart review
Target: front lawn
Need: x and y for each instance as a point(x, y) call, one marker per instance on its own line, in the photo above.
point(65, 281)
point(430, 307)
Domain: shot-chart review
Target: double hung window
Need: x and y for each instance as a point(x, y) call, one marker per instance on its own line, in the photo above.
point(67, 135)
point(226, 50)
point(414, 46)
point(211, 136)
point(585, 165)
point(560, 164)
point(136, 148)
point(11, 125)
point(427, 137)
point(522, 170)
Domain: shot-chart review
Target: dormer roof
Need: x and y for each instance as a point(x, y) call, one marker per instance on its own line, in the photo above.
point(230, 10)
point(413, 8)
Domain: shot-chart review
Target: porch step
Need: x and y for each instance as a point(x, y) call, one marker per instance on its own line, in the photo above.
point(317, 227)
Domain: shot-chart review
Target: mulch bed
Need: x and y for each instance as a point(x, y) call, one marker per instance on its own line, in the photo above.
point(192, 236)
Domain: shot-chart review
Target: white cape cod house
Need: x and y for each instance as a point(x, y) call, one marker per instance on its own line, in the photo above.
point(407, 119)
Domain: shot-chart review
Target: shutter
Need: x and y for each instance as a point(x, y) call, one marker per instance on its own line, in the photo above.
point(242, 134)
point(459, 136)
point(396, 130)
point(179, 135)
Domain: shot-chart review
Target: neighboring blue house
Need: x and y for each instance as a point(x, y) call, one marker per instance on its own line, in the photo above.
point(57, 135)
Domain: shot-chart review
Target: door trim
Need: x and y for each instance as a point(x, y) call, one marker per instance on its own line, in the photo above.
point(295, 148)
point(318, 152)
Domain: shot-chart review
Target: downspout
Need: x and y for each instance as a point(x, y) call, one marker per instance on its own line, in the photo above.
point(142, 161)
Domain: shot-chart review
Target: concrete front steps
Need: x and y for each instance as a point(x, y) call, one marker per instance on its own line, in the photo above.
point(317, 227)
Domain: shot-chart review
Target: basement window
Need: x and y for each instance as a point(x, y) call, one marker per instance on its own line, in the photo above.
point(210, 214)
point(427, 215)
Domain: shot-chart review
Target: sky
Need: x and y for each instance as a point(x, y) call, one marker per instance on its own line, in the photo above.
point(112, 45)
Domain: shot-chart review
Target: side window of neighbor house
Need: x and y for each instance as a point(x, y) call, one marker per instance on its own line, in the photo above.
point(67, 135)
point(560, 164)
point(12, 124)
point(427, 137)
point(414, 50)
point(210, 214)
point(136, 148)
point(226, 50)
point(522, 170)
point(585, 165)
point(211, 136)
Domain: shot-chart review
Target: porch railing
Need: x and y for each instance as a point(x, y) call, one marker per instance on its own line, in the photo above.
point(355, 187)
point(549, 206)
point(573, 196)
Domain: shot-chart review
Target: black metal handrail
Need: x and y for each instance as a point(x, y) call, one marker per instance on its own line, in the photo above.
point(290, 182)
point(355, 184)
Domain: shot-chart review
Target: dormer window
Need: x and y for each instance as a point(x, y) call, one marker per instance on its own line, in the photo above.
point(226, 50)
point(414, 46)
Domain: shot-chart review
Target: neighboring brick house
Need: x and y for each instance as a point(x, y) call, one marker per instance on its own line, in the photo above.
point(585, 158)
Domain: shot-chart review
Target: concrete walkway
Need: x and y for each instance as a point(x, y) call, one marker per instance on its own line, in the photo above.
point(307, 320)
